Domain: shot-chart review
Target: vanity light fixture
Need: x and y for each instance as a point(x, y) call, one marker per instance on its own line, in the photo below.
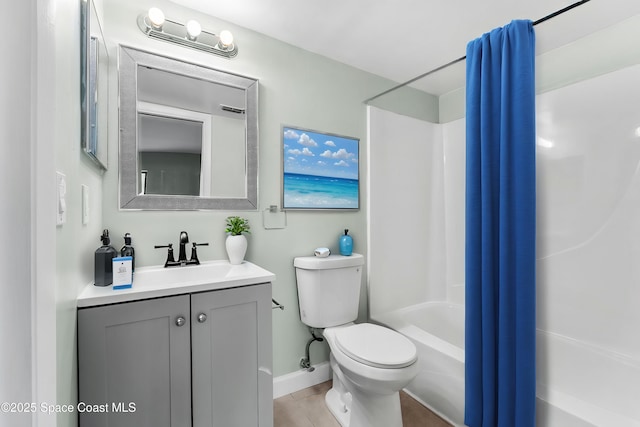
point(155, 25)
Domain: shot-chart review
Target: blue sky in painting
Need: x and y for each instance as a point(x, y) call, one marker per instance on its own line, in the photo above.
point(312, 153)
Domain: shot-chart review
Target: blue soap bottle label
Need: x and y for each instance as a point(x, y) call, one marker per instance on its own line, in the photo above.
point(346, 244)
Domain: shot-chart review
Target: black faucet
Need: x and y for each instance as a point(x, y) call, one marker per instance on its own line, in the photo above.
point(182, 255)
point(184, 239)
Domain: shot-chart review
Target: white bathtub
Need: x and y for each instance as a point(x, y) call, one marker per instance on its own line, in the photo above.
point(574, 390)
point(437, 330)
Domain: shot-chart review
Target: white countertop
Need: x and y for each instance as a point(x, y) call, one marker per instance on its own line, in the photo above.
point(157, 281)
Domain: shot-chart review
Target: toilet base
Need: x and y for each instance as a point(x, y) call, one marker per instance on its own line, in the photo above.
point(337, 408)
point(374, 414)
point(353, 407)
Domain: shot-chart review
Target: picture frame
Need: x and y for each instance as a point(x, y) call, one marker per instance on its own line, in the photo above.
point(320, 170)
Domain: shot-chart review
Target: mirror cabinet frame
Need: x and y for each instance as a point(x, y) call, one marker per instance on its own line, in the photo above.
point(93, 105)
point(129, 59)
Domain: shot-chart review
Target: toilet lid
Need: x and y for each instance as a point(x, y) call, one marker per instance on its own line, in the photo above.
point(376, 346)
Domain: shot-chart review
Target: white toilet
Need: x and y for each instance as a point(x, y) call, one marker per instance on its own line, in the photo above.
point(370, 363)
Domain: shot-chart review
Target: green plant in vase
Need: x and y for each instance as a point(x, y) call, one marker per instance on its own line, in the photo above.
point(237, 225)
point(236, 242)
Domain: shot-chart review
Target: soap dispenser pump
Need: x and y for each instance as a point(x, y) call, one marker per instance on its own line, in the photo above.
point(127, 250)
point(346, 244)
point(103, 266)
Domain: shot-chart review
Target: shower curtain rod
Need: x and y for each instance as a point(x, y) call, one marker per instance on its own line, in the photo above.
point(462, 58)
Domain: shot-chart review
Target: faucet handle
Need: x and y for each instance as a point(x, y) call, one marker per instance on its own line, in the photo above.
point(168, 245)
point(170, 258)
point(194, 254)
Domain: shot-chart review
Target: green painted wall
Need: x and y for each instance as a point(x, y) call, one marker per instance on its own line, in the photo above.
point(75, 242)
point(297, 88)
point(410, 102)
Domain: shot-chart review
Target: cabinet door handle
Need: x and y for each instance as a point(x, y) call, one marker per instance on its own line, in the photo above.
point(180, 321)
point(202, 317)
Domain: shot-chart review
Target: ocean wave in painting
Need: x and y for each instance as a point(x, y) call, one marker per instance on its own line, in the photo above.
point(311, 191)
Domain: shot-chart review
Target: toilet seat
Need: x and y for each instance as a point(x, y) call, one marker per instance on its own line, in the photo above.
point(376, 346)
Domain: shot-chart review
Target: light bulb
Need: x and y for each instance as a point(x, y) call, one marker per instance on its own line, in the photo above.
point(226, 38)
point(193, 29)
point(156, 17)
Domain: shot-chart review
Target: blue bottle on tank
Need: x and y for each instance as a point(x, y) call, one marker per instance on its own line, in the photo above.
point(346, 244)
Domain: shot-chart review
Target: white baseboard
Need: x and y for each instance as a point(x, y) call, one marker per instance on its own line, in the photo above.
point(301, 379)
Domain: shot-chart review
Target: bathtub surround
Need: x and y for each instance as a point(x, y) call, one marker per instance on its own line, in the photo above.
point(588, 181)
point(415, 183)
point(500, 254)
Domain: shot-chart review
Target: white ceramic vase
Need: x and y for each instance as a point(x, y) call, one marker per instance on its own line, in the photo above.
point(236, 248)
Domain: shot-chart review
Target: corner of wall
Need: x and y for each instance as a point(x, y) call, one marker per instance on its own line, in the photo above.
point(451, 105)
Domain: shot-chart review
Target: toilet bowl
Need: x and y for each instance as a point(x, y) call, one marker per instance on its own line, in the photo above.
point(370, 365)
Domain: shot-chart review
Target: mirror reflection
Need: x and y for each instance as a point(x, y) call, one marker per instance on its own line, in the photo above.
point(167, 167)
point(188, 135)
point(185, 141)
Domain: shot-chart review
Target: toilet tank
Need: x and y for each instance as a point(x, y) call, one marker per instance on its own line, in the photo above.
point(328, 289)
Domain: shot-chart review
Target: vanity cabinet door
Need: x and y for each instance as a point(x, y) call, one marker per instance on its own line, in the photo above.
point(231, 357)
point(134, 364)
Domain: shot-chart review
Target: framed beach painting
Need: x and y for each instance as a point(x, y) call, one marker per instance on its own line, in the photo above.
point(320, 170)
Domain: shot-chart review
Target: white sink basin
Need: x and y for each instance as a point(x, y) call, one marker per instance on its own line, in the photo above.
point(157, 281)
point(209, 272)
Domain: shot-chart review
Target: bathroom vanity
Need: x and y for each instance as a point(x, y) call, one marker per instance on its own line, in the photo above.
point(188, 346)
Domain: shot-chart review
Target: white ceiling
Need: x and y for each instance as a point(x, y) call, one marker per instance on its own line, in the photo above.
point(402, 39)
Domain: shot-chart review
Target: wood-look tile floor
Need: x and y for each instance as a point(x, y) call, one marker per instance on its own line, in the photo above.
point(306, 408)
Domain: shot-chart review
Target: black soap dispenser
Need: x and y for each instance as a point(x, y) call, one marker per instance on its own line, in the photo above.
point(103, 266)
point(127, 250)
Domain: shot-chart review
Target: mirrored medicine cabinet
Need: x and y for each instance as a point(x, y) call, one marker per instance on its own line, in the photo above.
point(94, 86)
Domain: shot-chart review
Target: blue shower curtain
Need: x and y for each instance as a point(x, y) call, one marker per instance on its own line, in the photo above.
point(500, 382)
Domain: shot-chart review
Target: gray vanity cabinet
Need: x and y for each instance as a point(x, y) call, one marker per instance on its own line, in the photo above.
point(135, 353)
point(201, 360)
point(231, 357)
